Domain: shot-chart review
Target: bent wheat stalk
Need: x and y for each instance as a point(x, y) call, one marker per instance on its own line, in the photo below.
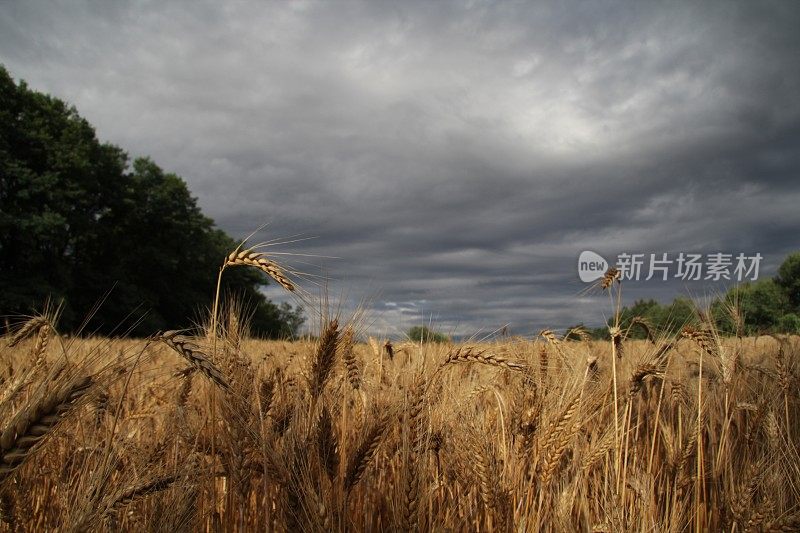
point(361, 456)
point(136, 492)
point(258, 260)
point(469, 355)
point(192, 353)
point(325, 358)
point(22, 435)
point(27, 329)
point(247, 257)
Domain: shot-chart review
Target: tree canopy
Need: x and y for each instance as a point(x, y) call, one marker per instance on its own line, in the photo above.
point(80, 222)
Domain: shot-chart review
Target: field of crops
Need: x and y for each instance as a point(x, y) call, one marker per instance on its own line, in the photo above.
point(344, 433)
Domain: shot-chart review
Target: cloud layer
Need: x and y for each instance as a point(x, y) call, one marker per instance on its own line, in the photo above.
point(455, 157)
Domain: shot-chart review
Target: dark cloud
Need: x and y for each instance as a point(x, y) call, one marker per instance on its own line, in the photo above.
point(454, 157)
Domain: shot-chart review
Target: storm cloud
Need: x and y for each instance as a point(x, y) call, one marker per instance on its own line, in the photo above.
point(451, 160)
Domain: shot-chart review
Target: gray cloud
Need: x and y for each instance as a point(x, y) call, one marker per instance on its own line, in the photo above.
point(455, 157)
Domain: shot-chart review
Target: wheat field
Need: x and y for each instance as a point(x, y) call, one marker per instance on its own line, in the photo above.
point(221, 432)
point(210, 430)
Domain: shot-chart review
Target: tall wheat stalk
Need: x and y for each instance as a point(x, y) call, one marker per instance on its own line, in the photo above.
point(606, 283)
point(252, 258)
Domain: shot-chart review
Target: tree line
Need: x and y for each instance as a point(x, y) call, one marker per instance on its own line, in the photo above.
point(81, 224)
point(770, 305)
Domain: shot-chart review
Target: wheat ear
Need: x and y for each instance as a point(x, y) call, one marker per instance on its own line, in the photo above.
point(361, 456)
point(34, 423)
point(255, 259)
point(325, 358)
point(27, 329)
point(470, 355)
point(327, 444)
point(191, 352)
point(349, 358)
point(135, 492)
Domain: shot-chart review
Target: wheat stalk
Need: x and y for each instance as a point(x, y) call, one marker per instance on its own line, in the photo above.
point(349, 358)
point(558, 438)
point(325, 358)
point(250, 257)
point(27, 329)
point(360, 458)
point(191, 352)
point(611, 275)
point(266, 394)
point(644, 325)
point(327, 444)
point(35, 422)
point(133, 493)
point(703, 338)
point(470, 355)
point(641, 372)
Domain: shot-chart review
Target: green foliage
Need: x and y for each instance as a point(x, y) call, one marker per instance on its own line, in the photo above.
point(646, 309)
point(789, 323)
point(599, 334)
point(788, 279)
point(664, 318)
point(424, 334)
point(762, 305)
point(77, 222)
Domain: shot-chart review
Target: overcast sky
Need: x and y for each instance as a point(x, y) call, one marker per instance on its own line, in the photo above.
point(455, 158)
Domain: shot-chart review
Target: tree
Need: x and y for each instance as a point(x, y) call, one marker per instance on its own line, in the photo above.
point(53, 189)
point(645, 309)
point(762, 304)
point(788, 279)
point(78, 223)
point(664, 318)
point(425, 334)
point(789, 324)
point(679, 313)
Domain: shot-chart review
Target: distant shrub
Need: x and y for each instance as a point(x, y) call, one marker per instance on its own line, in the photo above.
point(424, 334)
point(789, 324)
